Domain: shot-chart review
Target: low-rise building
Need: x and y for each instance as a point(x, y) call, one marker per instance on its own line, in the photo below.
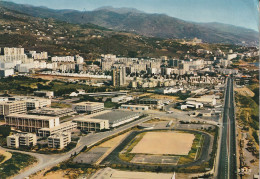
point(116, 117)
point(209, 100)
point(6, 72)
point(134, 107)
point(63, 127)
point(31, 123)
point(89, 107)
point(91, 125)
point(11, 107)
point(21, 139)
point(48, 94)
point(13, 141)
point(121, 99)
point(36, 103)
point(59, 140)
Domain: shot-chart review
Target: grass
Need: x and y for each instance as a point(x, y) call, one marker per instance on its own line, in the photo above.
point(126, 155)
point(109, 104)
point(15, 164)
point(60, 105)
point(154, 120)
point(2, 158)
point(196, 146)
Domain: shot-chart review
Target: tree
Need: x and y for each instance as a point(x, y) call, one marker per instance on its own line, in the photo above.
point(5, 130)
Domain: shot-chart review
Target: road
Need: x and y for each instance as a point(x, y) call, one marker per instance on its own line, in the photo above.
point(45, 161)
point(227, 157)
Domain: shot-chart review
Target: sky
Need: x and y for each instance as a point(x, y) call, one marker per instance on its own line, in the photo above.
point(242, 13)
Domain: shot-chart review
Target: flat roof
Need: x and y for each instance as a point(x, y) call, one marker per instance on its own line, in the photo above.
point(69, 123)
point(85, 119)
point(32, 116)
point(115, 115)
point(88, 103)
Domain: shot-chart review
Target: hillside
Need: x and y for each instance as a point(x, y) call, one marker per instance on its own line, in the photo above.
point(62, 38)
point(150, 25)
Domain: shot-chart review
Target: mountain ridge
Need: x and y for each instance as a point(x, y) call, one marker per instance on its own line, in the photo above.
point(150, 25)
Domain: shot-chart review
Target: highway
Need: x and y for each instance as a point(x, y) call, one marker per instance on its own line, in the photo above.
point(227, 158)
point(46, 161)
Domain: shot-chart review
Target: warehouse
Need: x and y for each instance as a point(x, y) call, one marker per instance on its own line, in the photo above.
point(116, 117)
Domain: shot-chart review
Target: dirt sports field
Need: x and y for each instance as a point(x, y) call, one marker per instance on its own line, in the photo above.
point(160, 143)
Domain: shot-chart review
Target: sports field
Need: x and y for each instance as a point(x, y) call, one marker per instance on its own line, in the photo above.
point(160, 143)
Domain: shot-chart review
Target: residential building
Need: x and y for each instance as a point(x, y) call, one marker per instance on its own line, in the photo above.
point(59, 140)
point(21, 139)
point(119, 76)
point(12, 141)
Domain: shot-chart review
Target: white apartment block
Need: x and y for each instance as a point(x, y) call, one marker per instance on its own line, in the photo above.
point(13, 141)
point(12, 51)
point(89, 107)
point(21, 139)
point(11, 107)
point(59, 140)
point(63, 59)
point(31, 123)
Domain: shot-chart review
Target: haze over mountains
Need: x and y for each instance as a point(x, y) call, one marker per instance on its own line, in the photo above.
point(150, 25)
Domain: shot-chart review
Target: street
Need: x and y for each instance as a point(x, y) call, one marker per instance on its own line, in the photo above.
point(227, 158)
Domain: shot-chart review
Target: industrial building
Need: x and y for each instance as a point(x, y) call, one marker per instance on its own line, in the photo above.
point(88, 107)
point(63, 127)
point(116, 117)
point(91, 125)
point(31, 123)
point(21, 139)
point(59, 140)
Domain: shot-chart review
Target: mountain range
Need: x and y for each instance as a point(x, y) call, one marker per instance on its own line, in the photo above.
point(138, 22)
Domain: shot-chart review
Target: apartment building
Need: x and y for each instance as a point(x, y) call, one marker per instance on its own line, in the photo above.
point(59, 140)
point(13, 141)
point(89, 107)
point(11, 107)
point(21, 139)
point(31, 123)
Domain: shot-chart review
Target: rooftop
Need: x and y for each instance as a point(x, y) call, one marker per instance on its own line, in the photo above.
point(115, 115)
point(31, 116)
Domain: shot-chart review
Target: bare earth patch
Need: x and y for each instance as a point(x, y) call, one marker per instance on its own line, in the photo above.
point(6, 154)
point(160, 143)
